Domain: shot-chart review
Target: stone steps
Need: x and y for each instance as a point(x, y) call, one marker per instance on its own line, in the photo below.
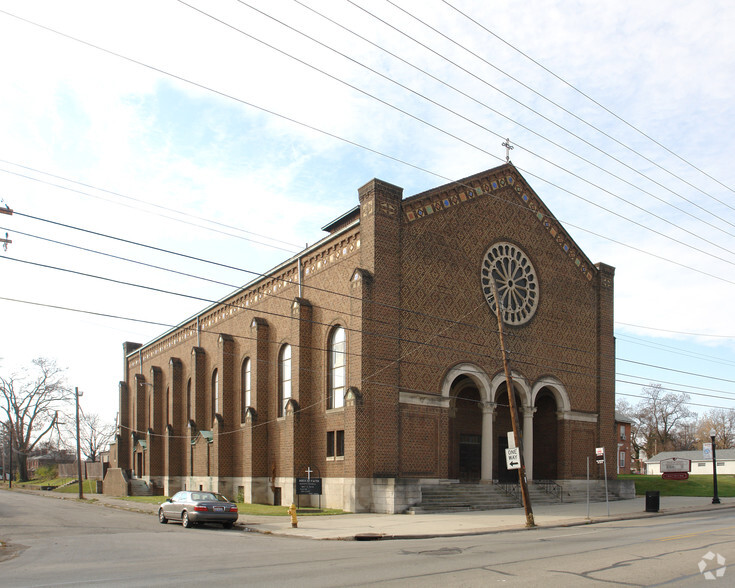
point(455, 497)
point(140, 488)
point(462, 497)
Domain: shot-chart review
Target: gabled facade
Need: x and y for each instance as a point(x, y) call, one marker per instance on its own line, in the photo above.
point(373, 359)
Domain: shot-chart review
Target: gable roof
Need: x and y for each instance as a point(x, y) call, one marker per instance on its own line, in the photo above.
point(504, 182)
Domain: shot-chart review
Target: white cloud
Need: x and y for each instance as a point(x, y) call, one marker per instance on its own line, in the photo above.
point(71, 110)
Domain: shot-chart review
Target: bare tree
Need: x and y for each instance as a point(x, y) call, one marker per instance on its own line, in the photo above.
point(30, 403)
point(94, 435)
point(663, 418)
point(722, 420)
point(637, 441)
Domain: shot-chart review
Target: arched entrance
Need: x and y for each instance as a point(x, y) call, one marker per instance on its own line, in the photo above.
point(545, 436)
point(465, 431)
point(504, 425)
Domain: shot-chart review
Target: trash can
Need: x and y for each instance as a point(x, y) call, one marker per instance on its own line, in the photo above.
point(653, 498)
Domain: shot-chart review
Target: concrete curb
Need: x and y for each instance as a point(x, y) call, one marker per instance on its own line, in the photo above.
point(340, 535)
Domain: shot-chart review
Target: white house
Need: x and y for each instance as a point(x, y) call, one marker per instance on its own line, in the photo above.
point(700, 464)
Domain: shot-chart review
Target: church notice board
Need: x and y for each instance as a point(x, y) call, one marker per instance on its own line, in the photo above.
point(308, 486)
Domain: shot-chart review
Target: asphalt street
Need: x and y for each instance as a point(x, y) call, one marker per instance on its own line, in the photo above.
point(52, 542)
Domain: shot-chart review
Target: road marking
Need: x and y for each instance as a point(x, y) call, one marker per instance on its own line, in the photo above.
point(686, 535)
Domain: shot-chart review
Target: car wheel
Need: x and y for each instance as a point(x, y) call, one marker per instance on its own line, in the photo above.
point(227, 525)
point(185, 521)
point(162, 517)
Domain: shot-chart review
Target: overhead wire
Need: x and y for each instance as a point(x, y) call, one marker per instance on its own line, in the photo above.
point(594, 101)
point(340, 138)
point(547, 99)
point(70, 189)
point(466, 142)
point(510, 119)
point(557, 366)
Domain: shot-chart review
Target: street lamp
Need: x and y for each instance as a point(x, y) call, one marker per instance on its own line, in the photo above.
point(715, 498)
point(77, 394)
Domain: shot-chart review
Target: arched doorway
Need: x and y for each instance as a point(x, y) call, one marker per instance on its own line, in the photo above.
point(503, 426)
point(465, 431)
point(545, 436)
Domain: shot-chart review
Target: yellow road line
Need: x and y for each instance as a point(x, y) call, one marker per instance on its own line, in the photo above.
point(685, 535)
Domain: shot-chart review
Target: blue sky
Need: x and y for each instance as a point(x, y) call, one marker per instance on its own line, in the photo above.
point(160, 157)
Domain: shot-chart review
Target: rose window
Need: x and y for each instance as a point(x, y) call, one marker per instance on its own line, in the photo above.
point(516, 282)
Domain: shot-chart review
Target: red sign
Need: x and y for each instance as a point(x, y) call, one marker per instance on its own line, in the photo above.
point(675, 475)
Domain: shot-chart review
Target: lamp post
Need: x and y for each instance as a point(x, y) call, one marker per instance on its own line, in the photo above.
point(77, 394)
point(715, 498)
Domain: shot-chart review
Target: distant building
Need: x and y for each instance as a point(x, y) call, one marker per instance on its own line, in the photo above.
point(623, 426)
point(49, 458)
point(700, 465)
point(372, 358)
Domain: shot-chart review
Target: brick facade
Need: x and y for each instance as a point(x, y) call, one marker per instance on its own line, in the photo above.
point(425, 399)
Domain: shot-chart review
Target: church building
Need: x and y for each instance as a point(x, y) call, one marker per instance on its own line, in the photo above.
point(372, 362)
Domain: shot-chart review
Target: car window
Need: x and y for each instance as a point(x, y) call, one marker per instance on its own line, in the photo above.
point(178, 496)
point(221, 498)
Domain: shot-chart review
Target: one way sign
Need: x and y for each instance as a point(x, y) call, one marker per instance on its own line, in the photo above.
point(513, 458)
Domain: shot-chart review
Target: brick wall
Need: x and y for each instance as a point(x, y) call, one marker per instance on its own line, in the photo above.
point(405, 286)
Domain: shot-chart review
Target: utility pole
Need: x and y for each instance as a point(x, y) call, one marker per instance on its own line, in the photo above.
point(513, 411)
point(77, 394)
point(7, 210)
point(10, 477)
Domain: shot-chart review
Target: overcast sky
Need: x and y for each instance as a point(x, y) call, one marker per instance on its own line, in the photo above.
point(233, 131)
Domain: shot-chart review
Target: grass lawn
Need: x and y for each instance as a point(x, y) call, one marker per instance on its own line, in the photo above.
point(88, 486)
point(694, 486)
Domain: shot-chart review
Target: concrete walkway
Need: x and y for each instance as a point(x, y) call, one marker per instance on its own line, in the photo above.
point(384, 526)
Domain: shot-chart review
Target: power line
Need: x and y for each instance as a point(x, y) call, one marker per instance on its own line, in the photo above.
point(588, 97)
point(356, 144)
point(69, 189)
point(454, 136)
point(555, 104)
point(510, 119)
point(474, 122)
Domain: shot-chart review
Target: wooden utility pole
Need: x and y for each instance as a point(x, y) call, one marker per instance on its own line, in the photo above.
point(513, 410)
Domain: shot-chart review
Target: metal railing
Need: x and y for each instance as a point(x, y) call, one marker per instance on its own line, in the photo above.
point(551, 487)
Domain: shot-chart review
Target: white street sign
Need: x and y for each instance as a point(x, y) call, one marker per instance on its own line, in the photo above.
point(513, 458)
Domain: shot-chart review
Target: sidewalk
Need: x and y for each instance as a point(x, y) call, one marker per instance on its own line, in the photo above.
point(370, 526)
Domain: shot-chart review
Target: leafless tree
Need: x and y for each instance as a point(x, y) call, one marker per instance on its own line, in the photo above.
point(94, 435)
point(637, 441)
point(722, 420)
point(664, 421)
point(30, 401)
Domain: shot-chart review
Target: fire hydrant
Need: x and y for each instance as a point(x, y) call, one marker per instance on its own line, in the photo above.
point(294, 518)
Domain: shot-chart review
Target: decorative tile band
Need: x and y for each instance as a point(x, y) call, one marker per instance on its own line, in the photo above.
point(435, 203)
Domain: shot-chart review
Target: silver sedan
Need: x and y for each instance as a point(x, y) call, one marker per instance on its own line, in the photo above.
point(194, 507)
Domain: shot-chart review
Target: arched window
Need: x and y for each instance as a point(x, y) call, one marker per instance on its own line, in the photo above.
point(284, 378)
point(245, 383)
point(189, 407)
point(215, 393)
point(336, 367)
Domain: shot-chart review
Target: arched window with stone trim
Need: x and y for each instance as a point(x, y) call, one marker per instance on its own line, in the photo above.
point(245, 386)
point(336, 368)
point(215, 392)
point(284, 378)
point(189, 405)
